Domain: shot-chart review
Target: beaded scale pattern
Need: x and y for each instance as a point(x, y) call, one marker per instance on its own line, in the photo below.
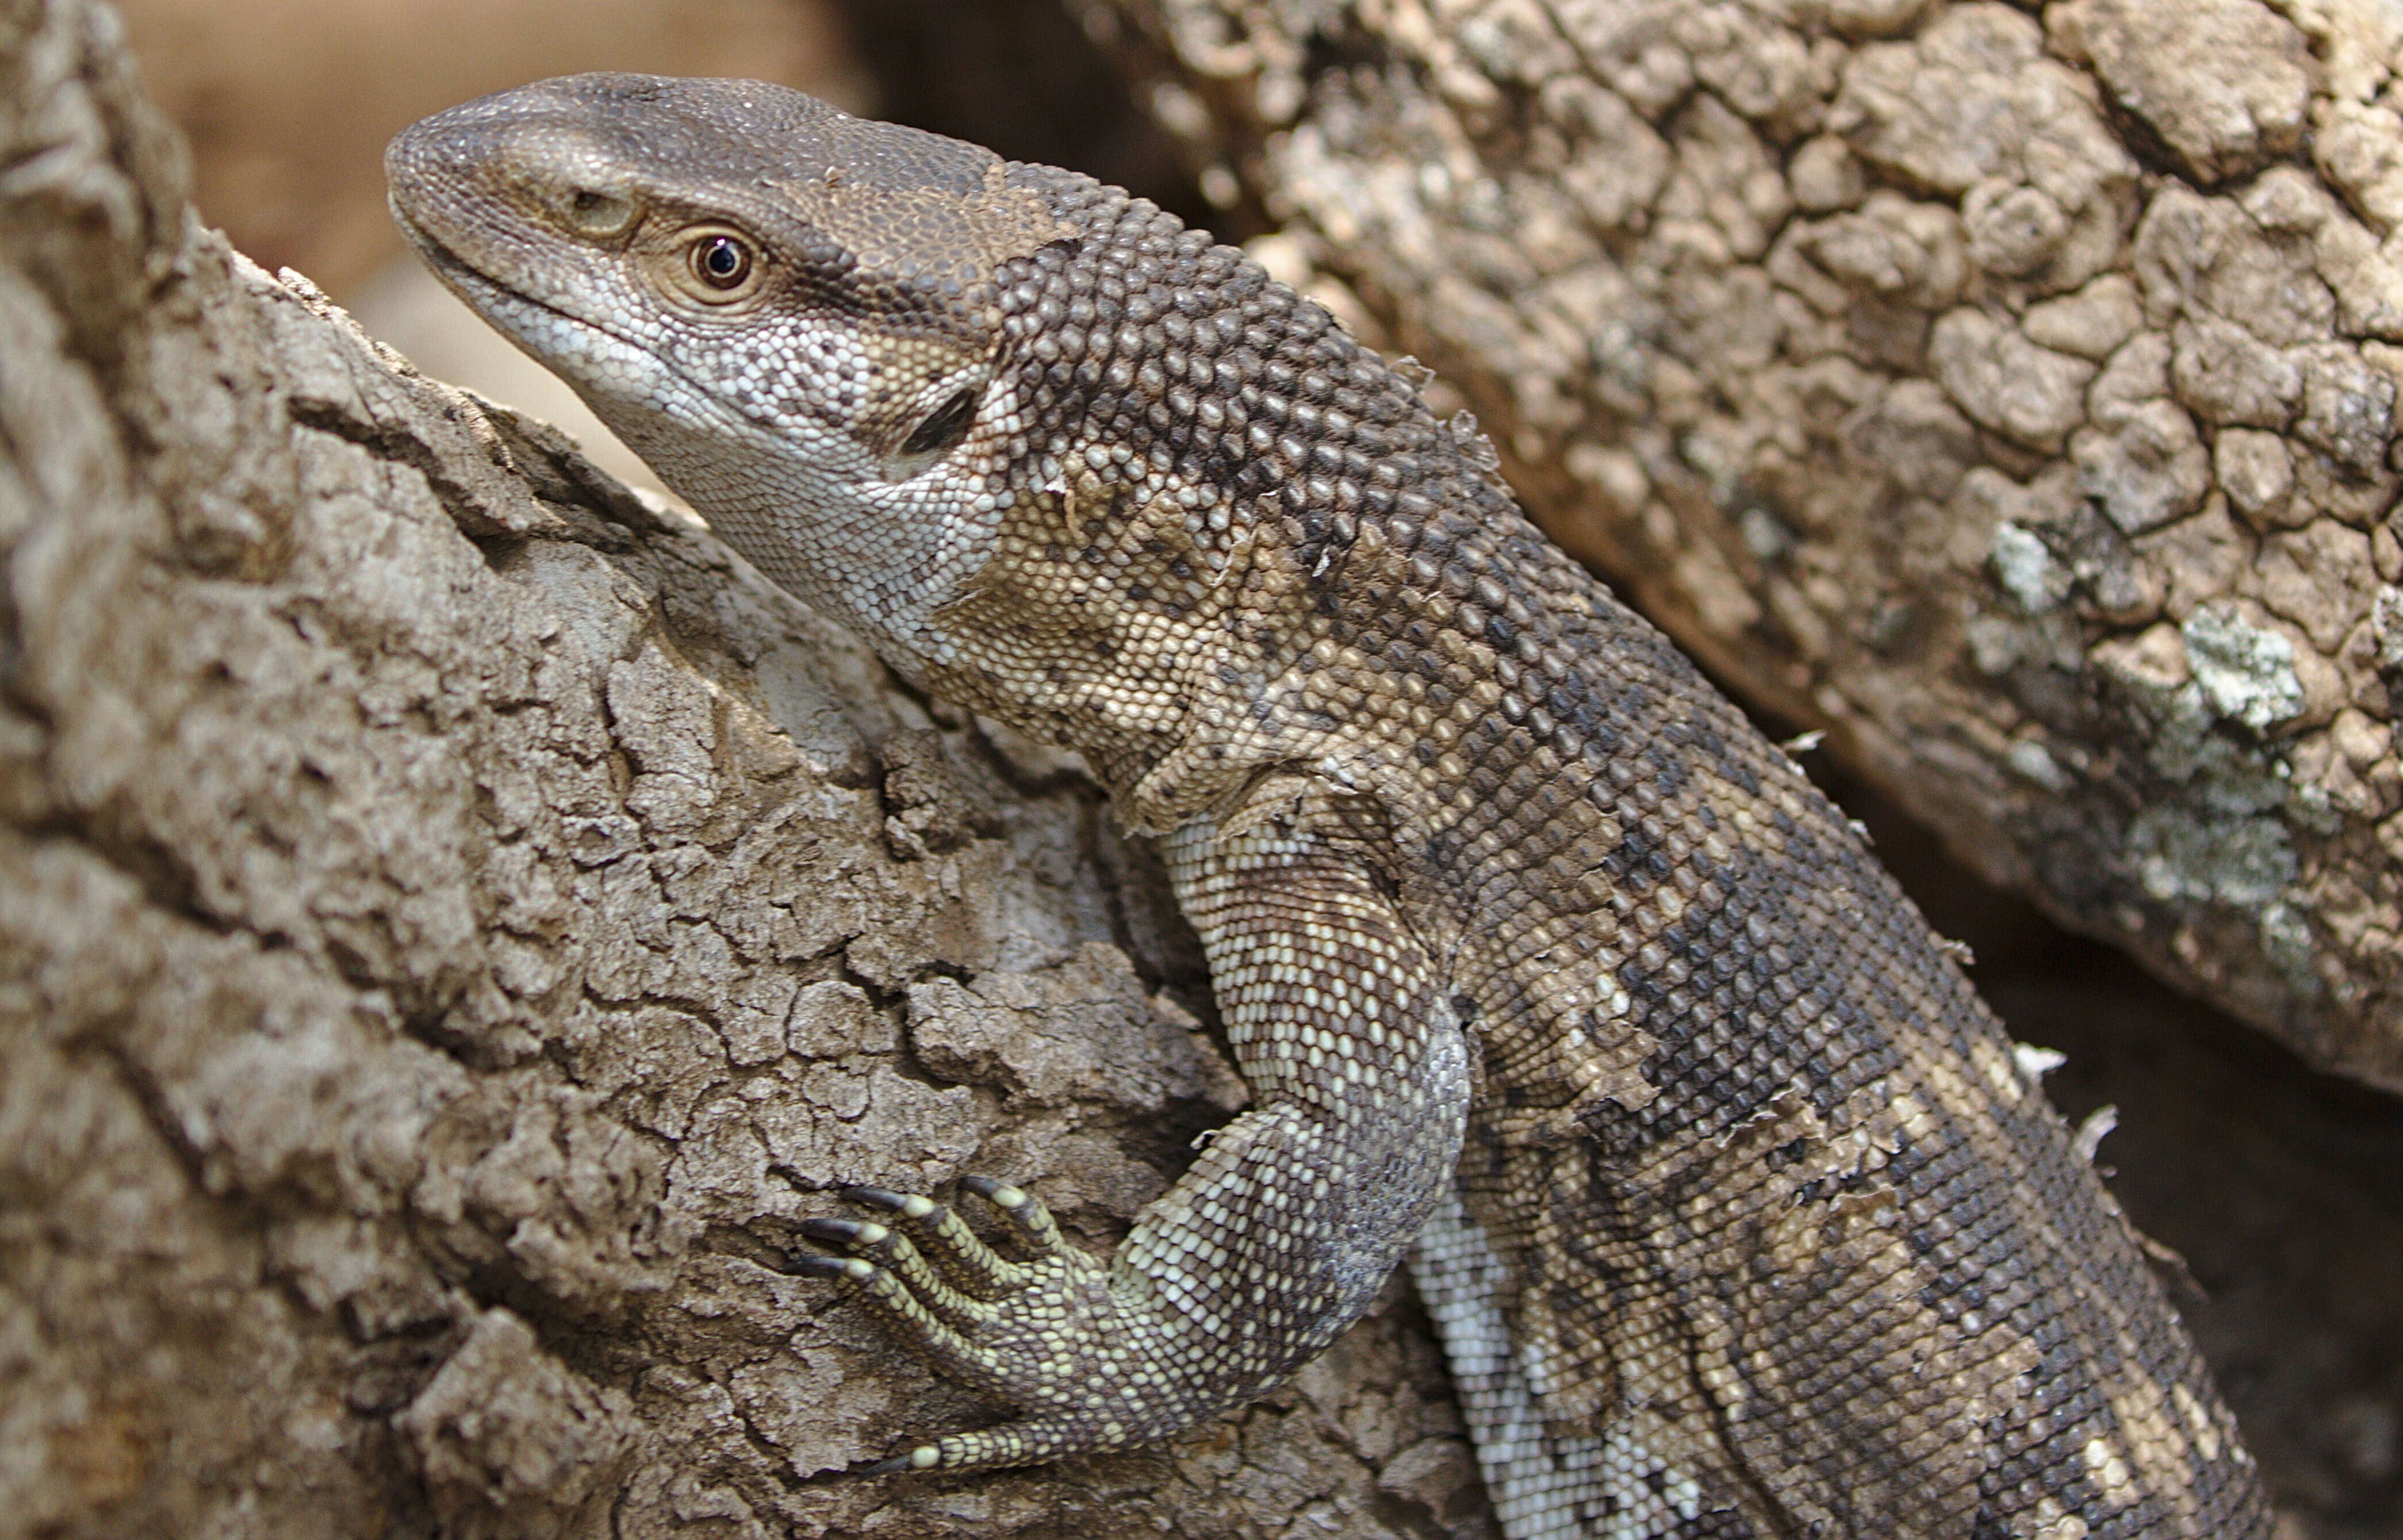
point(1738, 1214)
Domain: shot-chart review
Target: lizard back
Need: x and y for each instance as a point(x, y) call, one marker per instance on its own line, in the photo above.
point(1784, 1238)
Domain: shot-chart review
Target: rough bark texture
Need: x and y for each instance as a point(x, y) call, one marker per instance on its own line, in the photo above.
point(2010, 391)
point(455, 919)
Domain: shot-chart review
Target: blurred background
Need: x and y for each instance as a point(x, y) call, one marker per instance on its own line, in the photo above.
point(2282, 1190)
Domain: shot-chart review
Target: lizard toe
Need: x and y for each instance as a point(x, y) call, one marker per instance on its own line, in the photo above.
point(1027, 1441)
point(883, 1246)
point(1029, 1221)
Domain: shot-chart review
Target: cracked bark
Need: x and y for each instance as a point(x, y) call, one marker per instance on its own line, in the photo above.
point(2009, 390)
point(455, 919)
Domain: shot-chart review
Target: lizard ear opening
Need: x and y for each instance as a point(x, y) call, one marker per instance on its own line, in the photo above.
point(930, 417)
point(941, 430)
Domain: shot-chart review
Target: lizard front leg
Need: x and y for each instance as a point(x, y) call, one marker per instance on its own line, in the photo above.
point(1278, 1237)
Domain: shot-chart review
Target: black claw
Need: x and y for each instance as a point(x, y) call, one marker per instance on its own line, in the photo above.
point(878, 1197)
point(810, 1263)
point(894, 1467)
point(983, 1187)
point(833, 1232)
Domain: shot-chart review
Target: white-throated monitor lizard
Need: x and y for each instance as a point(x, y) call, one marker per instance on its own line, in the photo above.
point(1547, 971)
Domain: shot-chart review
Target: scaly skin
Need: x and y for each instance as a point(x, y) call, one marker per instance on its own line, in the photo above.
point(1735, 1208)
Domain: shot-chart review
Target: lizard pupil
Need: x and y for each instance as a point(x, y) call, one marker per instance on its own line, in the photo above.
point(721, 261)
point(944, 427)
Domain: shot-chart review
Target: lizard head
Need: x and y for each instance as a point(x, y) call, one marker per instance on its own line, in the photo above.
point(1056, 456)
point(789, 311)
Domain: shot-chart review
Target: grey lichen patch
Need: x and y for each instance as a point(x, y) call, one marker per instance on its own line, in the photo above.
point(2287, 941)
point(2026, 568)
point(2163, 677)
point(2245, 862)
point(2218, 828)
point(2246, 672)
point(2386, 620)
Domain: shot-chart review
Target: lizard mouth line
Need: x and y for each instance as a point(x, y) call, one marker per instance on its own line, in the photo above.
point(486, 294)
point(492, 300)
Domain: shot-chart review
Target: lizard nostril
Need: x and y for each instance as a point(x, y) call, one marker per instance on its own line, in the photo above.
point(593, 212)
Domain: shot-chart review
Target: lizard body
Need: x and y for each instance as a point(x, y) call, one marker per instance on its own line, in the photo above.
point(1736, 1212)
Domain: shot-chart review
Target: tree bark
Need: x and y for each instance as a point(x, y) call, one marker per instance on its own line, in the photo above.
point(2011, 394)
point(455, 919)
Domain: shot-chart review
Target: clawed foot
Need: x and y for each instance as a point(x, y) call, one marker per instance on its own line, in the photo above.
point(1005, 1327)
point(927, 1269)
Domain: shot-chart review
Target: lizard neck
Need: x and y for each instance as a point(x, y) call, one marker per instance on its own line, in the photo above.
point(1111, 618)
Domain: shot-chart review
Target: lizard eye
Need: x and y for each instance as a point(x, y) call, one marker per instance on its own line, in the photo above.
point(719, 267)
point(943, 428)
point(721, 261)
